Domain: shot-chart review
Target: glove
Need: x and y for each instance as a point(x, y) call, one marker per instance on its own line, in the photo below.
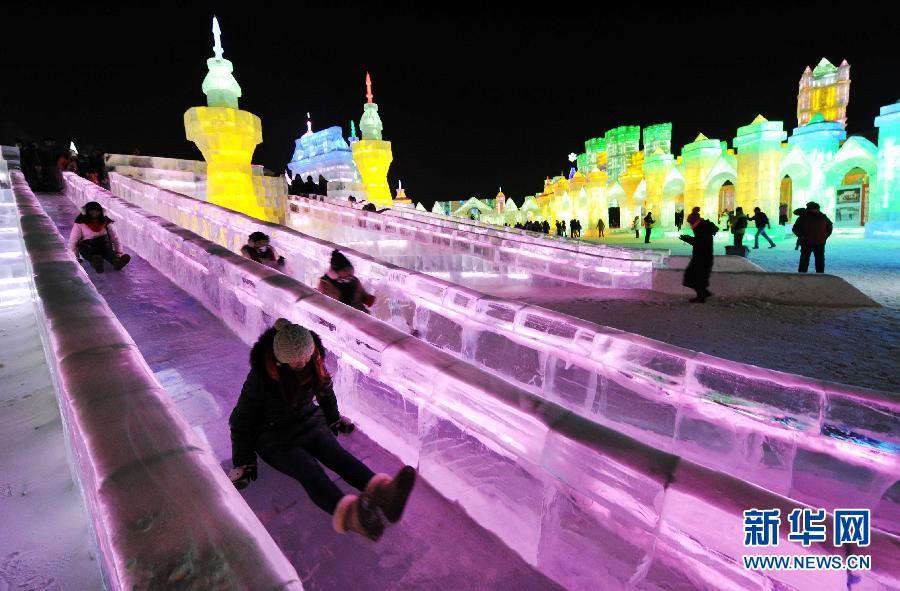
point(280, 260)
point(241, 476)
point(368, 300)
point(342, 425)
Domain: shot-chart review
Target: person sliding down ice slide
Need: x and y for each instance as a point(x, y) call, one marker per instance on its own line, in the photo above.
point(94, 238)
point(276, 418)
point(258, 249)
point(340, 283)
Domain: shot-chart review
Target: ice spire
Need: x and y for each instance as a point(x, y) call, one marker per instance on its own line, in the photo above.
point(369, 95)
point(217, 35)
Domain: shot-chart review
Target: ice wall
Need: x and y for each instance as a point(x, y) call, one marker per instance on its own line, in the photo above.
point(164, 512)
point(14, 279)
point(344, 225)
point(817, 442)
point(590, 507)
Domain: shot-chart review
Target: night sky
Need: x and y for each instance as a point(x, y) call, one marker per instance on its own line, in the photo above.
point(471, 98)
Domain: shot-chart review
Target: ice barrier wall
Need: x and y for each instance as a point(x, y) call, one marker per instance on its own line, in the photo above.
point(657, 256)
point(14, 281)
point(820, 443)
point(164, 513)
point(594, 266)
point(564, 256)
point(588, 506)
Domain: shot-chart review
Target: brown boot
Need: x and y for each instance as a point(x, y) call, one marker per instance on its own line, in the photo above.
point(357, 513)
point(390, 495)
point(121, 261)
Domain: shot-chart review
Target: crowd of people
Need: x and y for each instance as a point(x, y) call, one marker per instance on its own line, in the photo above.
point(43, 164)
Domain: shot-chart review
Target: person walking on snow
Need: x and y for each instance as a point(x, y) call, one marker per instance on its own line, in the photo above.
point(340, 283)
point(601, 227)
point(94, 239)
point(762, 222)
point(276, 419)
point(812, 229)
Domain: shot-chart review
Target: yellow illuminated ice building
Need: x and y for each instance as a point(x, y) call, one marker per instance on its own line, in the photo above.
point(227, 137)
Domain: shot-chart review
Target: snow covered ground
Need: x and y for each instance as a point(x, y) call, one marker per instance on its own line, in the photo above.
point(858, 346)
point(46, 542)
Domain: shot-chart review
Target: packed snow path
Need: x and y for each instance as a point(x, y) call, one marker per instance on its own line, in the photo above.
point(53, 547)
point(856, 346)
point(202, 365)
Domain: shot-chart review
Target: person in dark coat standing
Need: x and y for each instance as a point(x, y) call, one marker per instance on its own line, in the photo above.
point(739, 226)
point(813, 229)
point(648, 226)
point(679, 219)
point(696, 275)
point(782, 214)
point(277, 419)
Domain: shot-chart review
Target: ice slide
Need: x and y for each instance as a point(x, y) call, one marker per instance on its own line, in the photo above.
point(584, 504)
point(818, 443)
point(484, 255)
point(473, 256)
point(201, 364)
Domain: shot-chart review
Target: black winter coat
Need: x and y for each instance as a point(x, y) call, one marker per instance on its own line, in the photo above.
point(696, 275)
point(266, 417)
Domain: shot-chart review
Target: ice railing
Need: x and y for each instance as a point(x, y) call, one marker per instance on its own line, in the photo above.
point(769, 428)
point(522, 256)
point(657, 256)
point(164, 513)
point(584, 504)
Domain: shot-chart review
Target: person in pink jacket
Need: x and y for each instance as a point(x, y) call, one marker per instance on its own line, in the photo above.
point(93, 238)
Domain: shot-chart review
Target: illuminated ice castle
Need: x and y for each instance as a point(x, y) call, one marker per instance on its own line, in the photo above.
point(357, 166)
point(326, 153)
point(853, 179)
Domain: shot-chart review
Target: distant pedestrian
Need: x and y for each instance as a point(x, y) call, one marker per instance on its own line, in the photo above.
point(762, 222)
point(636, 226)
point(739, 226)
point(648, 226)
point(813, 229)
point(782, 214)
point(679, 219)
point(601, 227)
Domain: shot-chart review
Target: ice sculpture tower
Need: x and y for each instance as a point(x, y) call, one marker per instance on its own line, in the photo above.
point(371, 154)
point(401, 198)
point(825, 90)
point(227, 137)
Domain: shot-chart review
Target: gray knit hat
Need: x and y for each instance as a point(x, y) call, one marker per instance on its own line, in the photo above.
point(293, 343)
